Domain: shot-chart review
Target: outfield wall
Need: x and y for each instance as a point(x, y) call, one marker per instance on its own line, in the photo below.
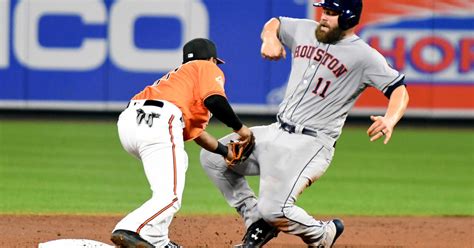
point(95, 54)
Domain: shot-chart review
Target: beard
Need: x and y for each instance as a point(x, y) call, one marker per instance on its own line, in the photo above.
point(329, 37)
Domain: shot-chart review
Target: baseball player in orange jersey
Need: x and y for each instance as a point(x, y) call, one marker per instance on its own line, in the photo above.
point(153, 128)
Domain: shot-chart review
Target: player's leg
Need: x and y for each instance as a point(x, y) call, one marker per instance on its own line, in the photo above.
point(161, 149)
point(231, 182)
point(296, 161)
point(127, 129)
point(234, 187)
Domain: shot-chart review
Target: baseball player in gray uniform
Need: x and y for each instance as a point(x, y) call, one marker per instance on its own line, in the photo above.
point(331, 66)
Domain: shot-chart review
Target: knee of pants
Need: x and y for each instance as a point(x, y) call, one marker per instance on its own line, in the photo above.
point(212, 160)
point(270, 211)
point(158, 200)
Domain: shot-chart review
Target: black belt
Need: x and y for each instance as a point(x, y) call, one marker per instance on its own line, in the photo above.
point(291, 129)
point(155, 103)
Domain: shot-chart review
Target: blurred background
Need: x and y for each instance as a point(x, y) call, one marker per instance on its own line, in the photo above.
point(94, 55)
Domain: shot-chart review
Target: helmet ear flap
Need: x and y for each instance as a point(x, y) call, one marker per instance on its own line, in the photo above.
point(347, 19)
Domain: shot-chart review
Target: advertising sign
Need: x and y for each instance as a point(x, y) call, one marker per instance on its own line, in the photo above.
point(432, 43)
point(96, 54)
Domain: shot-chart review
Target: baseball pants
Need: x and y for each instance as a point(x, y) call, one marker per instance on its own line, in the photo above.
point(287, 164)
point(153, 133)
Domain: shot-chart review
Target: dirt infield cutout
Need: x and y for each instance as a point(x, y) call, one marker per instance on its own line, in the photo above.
point(226, 231)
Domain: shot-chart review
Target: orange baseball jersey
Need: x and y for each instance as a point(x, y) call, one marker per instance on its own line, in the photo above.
point(187, 87)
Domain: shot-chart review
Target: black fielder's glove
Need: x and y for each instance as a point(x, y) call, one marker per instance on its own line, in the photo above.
point(241, 150)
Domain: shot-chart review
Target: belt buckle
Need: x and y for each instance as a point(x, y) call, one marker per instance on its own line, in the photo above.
point(287, 127)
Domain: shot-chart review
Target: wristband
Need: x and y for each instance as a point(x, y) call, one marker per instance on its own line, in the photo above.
point(221, 149)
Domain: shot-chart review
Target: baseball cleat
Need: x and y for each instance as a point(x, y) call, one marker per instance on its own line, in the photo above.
point(339, 229)
point(172, 244)
point(334, 229)
point(258, 234)
point(129, 239)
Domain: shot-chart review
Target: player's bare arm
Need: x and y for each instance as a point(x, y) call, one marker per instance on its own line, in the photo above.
point(210, 143)
point(383, 125)
point(207, 141)
point(272, 48)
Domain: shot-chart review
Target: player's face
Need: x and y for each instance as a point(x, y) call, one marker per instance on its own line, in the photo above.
point(328, 30)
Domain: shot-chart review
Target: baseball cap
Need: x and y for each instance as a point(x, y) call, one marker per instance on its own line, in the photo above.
point(200, 48)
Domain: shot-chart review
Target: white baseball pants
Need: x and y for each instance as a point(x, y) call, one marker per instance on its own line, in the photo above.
point(154, 135)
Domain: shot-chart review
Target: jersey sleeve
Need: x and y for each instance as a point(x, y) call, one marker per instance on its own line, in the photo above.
point(379, 74)
point(211, 81)
point(289, 27)
point(287, 31)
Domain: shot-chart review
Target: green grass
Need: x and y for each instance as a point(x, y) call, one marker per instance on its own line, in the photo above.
point(80, 167)
point(420, 172)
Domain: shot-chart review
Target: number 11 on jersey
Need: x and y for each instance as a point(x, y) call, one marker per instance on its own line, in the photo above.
point(321, 93)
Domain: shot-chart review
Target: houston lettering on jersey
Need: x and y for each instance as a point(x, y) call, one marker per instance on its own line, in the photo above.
point(320, 55)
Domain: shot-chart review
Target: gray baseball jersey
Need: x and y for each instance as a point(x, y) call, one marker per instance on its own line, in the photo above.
point(326, 79)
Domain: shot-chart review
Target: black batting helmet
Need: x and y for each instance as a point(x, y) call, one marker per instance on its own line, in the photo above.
point(350, 11)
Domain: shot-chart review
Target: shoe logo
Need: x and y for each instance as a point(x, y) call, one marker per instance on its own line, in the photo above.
point(255, 235)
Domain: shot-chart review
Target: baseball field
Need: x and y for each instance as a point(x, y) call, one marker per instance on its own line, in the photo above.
point(71, 179)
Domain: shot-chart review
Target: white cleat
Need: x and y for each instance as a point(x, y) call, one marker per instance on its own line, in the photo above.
point(334, 229)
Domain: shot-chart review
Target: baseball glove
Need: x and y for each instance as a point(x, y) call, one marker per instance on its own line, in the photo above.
point(241, 151)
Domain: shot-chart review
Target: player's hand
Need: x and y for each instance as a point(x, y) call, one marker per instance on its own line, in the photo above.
point(381, 127)
point(230, 154)
point(240, 150)
point(272, 49)
point(245, 134)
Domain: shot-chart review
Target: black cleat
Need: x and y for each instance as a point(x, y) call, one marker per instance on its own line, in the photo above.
point(129, 239)
point(258, 234)
point(339, 229)
point(172, 244)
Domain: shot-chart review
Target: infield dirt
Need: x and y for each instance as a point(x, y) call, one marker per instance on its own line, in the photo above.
point(226, 231)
